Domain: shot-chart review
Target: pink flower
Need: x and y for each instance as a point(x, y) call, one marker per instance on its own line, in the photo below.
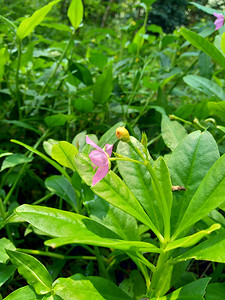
point(100, 158)
point(219, 21)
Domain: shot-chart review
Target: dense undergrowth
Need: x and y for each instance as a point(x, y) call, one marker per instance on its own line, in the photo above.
point(153, 224)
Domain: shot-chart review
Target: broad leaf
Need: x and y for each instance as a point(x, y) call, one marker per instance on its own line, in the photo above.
point(80, 287)
point(215, 291)
point(138, 179)
point(208, 196)
point(205, 85)
point(32, 270)
point(82, 73)
point(28, 25)
point(212, 249)
point(75, 13)
point(5, 244)
point(62, 188)
point(64, 153)
point(188, 165)
point(172, 132)
point(112, 189)
point(205, 46)
point(217, 109)
point(55, 120)
point(25, 292)
point(109, 137)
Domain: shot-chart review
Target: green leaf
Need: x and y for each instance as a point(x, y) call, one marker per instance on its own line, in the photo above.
point(57, 26)
point(98, 59)
point(75, 13)
point(188, 165)
point(91, 287)
point(53, 163)
point(75, 228)
point(113, 190)
point(215, 291)
point(14, 160)
point(6, 272)
point(212, 250)
point(206, 9)
point(32, 270)
point(103, 86)
point(64, 153)
point(208, 196)
point(25, 292)
point(192, 291)
point(205, 85)
point(82, 73)
point(138, 179)
point(4, 59)
point(62, 188)
point(83, 105)
point(109, 137)
point(113, 218)
point(55, 120)
point(217, 109)
point(5, 244)
point(223, 43)
point(172, 132)
point(205, 46)
point(23, 125)
point(138, 38)
point(28, 25)
point(191, 240)
point(47, 145)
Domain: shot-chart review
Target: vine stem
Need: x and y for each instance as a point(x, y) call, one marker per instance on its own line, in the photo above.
point(58, 63)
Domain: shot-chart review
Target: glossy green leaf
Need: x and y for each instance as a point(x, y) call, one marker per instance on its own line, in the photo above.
point(113, 218)
point(212, 250)
point(113, 190)
point(14, 160)
point(103, 86)
point(138, 179)
point(193, 291)
point(55, 120)
point(215, 291)
point(191, 240)
point(172, 132)
point(109, 137)
point(5, 244)
point(6, 271)
point(205, 85)
point(25, 292)
point(75, 13)
point(64, 153)
point(205, 46)
point(47, 145)
point(208, 196)
point(62, 188)
point(74, 228)
point(32, 270)
point(188, 165)
point(28, 25)
point(92, 288)
point(138, 38)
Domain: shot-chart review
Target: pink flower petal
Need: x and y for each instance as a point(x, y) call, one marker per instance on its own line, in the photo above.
point(219, 21)
point(90, 142)
point(108, 149)
point(100, 174)
point(98, 158)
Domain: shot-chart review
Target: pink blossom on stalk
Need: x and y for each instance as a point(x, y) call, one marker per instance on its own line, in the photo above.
point(100, 158)
point(219, 21)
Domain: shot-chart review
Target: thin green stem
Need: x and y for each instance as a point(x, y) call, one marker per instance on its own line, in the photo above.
point(56, 255)
point(125, 159)
point(17, 78)
point(46, 197)
point(58, 64)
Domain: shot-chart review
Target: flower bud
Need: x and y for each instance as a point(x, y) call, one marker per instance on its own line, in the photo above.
point(122, 134)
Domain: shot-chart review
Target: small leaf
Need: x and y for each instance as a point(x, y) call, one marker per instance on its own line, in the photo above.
point(75, 13)
point(56, 120)
point(14, 160)
point(28, 25)
point(64, 153)
point(32, 270)
point(5, 244)
point(82, 73)
point(172, 132)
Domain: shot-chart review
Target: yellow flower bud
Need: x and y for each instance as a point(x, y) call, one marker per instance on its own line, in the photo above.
point(122, 134)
